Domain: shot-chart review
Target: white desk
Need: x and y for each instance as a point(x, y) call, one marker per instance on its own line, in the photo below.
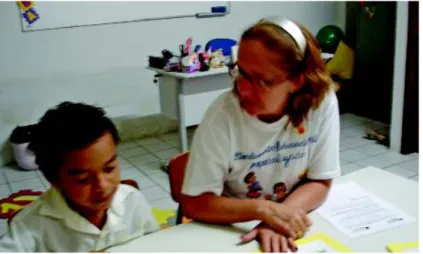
point(186, 96)
point(196, 237)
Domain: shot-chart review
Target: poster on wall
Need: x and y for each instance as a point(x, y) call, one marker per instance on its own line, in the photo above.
point(28, 12)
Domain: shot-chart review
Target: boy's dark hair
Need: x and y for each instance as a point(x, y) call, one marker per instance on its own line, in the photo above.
point(66, 127)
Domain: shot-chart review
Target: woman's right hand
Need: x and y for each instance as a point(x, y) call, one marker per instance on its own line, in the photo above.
point(288, 220)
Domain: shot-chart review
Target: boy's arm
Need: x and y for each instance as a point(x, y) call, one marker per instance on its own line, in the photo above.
point(150, 223)
point(17, 239)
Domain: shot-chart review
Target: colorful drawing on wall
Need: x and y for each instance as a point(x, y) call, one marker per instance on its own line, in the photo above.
point(28, 11)
point(31, 16)
point(25, 5)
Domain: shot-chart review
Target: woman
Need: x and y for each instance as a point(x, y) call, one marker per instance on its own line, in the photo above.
point(269, 149)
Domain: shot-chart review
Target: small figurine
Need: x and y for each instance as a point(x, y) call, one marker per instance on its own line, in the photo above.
point(216, 59)
point(203, 62)
point(190, 63)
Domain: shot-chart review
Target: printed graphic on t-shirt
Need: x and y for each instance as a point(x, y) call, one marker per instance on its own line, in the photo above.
point(253, 185)
point(257, 160)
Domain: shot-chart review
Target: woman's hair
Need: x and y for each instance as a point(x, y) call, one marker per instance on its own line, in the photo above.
point(317, 80)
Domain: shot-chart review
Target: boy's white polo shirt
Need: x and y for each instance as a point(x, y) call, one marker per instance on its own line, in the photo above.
point(49, 225)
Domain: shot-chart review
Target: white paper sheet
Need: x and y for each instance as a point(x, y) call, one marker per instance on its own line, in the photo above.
point(356, 212)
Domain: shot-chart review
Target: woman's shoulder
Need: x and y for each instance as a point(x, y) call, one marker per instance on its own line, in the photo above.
point(224, 105)
point(329, 102)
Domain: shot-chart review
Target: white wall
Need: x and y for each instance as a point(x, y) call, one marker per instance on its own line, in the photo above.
point(105, 64)
point(399, 75)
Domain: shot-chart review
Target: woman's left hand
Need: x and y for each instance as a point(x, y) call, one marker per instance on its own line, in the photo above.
point(270, 240)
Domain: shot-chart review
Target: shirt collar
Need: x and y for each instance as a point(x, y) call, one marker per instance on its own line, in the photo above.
point(55, 206)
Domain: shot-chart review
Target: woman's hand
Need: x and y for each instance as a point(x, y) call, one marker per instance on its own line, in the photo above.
point(288, 220)
point(270, 240)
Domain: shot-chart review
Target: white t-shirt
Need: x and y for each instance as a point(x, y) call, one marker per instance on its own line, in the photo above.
point(49, 225)
point(235, 154)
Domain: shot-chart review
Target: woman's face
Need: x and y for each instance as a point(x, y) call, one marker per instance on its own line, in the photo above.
point(262, 87)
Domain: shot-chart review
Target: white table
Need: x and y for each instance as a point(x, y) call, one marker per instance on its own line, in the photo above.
point(195, 237)
point(186, 96)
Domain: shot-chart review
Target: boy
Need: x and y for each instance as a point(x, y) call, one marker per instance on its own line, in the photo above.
point(86, 209)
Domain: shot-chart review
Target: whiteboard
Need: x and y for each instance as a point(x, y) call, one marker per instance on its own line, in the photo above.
point(54, 15)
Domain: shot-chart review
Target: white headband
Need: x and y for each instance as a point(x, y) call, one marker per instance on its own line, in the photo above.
point(291, 28)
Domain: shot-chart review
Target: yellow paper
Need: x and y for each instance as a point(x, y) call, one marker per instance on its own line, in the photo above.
point(403, 247)
point(319, 238)
point(162, 216)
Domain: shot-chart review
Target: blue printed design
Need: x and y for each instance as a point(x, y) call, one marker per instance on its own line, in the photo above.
point(277, 147)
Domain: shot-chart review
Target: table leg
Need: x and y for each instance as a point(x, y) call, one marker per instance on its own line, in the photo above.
point(181, 121)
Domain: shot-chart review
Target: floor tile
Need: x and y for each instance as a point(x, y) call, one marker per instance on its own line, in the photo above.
point(415, 178)
point(127, 145)
point(372, 161)
point(354, 142)
point(3, 228)
point(173, 143)
point(14, 174)
point(5, 190)
point(154, 193)
point(147, 141)
point(401, 171)
point(144, 182)
point(27, 184)
point(124, 163)
point(165, 204)
point(372, 149)
point(165, 155)
point(349, 168)
point(130, 173)
point(43, 179)
point(162, 179)
point(135, 151)
point(159, 146)
point(392, 158)
point(414, 155)
point(41, 188)
point(151, 168)
point(358, 131)
point(412, 165)
point(142, 159)
point(170, 136)
point(348, 120)
point(352, 155)
point(2, 176)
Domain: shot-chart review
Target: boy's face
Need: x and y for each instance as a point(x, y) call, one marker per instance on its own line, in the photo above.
point(89, 177)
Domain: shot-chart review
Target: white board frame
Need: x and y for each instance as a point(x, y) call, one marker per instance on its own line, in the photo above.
point(28, 28)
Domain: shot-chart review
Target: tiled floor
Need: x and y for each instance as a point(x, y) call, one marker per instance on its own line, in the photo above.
point(141, 160)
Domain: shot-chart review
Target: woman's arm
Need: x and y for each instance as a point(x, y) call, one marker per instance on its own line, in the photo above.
point(309, 195)
point(221, 210)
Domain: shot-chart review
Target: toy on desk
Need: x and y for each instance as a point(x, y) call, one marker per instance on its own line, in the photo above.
point(216, 59)
point(190, 63)
point(203, 59)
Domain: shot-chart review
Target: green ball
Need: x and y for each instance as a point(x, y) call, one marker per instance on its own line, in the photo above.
point(329, 37)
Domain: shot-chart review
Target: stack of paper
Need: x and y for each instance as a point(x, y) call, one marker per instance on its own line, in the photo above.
point(355, 212)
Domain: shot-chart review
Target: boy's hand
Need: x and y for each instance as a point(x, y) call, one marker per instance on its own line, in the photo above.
point(270, 240)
